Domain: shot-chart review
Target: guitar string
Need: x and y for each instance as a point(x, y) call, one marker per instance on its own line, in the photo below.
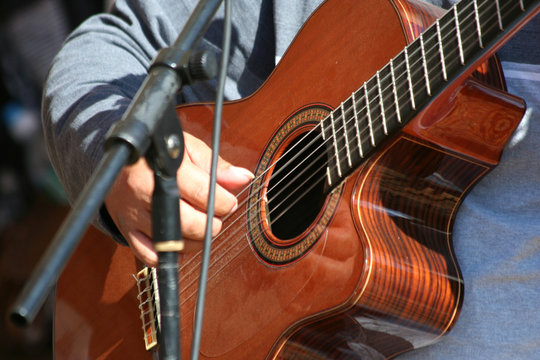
point(342, 117)
point(365, 129)
point(341, 128)
point(344, 111)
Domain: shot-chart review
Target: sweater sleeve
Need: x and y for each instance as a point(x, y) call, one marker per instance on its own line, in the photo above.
point(94, 77)
point(102, 64)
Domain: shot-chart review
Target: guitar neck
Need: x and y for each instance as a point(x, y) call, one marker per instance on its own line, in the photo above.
point(450, 47)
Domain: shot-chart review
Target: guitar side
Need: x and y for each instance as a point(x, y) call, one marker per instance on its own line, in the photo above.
point(404, 204)
point(374, 279)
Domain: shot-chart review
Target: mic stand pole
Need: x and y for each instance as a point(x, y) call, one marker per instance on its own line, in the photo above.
point(165, 157)
point(130, 140)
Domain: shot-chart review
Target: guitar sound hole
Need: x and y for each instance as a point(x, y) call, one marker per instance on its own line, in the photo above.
point(296, 188)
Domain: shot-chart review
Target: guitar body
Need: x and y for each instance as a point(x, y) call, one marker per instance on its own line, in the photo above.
point(370, 272)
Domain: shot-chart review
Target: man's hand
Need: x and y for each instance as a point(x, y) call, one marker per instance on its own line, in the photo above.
point(129, 201)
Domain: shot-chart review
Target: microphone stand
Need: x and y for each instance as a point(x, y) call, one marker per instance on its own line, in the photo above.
point(149, 127)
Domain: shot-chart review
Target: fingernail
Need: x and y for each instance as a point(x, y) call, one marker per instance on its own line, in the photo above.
point(235, 205)
point(243, 172)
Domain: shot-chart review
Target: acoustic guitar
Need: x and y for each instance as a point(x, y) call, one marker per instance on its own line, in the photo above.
point(364, 141)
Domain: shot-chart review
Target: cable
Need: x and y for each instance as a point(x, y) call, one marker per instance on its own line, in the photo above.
point(199, 312)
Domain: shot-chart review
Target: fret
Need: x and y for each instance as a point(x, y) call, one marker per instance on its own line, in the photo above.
point(434, 60)
point(471, 25)
point(346, 136)
point(441, 51)
point(478, 27)
point(417, 66)
point(388, 95)
point(323, 130)
point(350, 124)
point(486, 16)
point(394, 90)
point(458, 33)
point(449, 45)
point(381, 104)
point(335, 145)
point(424, 64)
point(507, 11)
point(327, 135)
point(370, 122)
point(341, 136)
point(401, 83)
point(404, 85)
point(328, 176)
point(499, 18)
point(357, 126)
point(409, 79)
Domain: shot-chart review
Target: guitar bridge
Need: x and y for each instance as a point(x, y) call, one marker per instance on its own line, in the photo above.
point(149, 305)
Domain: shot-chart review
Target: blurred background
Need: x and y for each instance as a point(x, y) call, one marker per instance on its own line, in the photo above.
point(32, 202)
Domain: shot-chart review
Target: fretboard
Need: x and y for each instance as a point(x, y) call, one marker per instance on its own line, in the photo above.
point(413, 78)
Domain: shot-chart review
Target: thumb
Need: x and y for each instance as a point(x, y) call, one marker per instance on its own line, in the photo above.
point(233, 177)
point(229, 176)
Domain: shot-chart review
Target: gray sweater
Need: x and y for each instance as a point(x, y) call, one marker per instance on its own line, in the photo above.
point(497, 230)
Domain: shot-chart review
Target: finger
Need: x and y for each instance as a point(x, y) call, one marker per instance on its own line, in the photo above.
point(142, 247)
point(193, 223)
point(199, 153)
point(229, 176)
point(136, 226)
point(193, 226)
point(193, 184)
point(234, 178)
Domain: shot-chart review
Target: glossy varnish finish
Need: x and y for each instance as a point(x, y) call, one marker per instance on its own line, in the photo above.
point(381, 278)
